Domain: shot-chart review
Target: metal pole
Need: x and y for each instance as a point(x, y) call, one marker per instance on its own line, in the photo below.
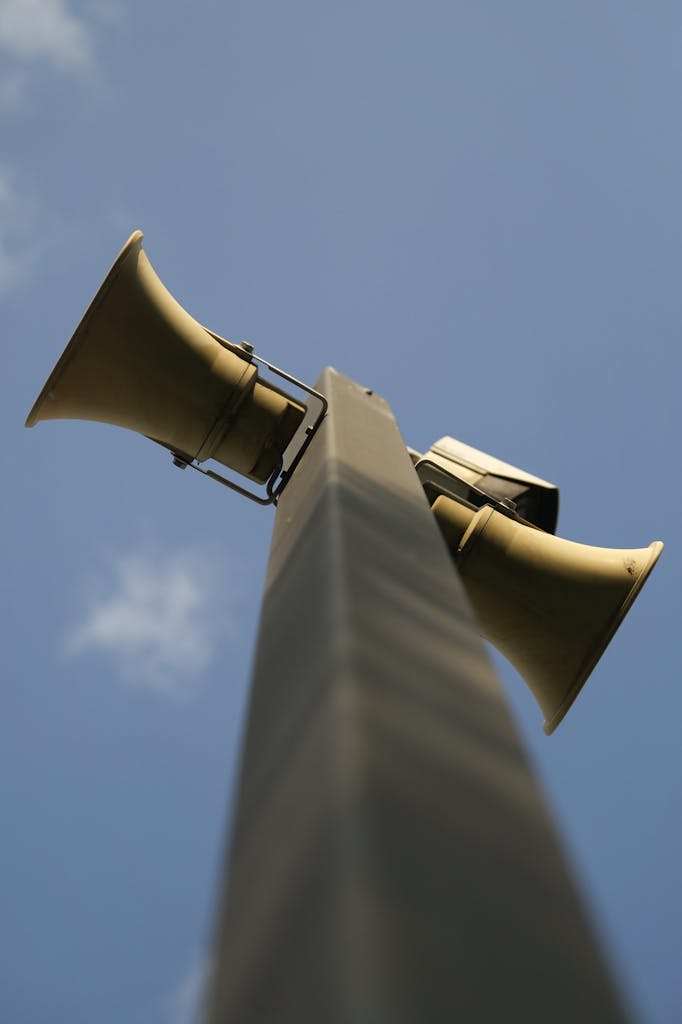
point(391, 861)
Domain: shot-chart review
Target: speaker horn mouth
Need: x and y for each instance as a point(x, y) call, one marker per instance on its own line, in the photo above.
point(133, 244)
point(550, 724)
point(550, 605)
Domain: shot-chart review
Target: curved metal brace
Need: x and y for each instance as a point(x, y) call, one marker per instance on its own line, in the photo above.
point(279, 478)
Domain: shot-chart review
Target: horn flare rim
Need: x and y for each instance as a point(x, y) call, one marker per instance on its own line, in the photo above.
point(134, 242)
point(550, 724)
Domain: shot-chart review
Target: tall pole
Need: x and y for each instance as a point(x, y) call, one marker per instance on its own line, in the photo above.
point(392, 861)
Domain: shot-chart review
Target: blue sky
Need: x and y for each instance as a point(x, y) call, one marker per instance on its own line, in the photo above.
point(472, 208)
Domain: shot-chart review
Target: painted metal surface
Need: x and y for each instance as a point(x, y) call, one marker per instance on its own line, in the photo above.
point(391, 861)
point(140, 361)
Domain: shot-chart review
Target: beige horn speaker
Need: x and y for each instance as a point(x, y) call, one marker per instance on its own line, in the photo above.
point(139, 360)
point(549, 605)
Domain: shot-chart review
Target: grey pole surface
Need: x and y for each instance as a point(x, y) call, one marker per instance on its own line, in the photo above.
point(391, 861)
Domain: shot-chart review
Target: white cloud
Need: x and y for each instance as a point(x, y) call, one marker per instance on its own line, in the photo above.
point(45, 30)
point(17, 254)
point(157, 623)
point(12, 91)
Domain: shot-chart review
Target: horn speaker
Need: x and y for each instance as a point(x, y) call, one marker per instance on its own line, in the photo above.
point(551, 606)
point(139, 360)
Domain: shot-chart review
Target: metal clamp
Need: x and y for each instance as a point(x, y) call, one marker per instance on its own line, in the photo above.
point(437, 481)
point(278, 479)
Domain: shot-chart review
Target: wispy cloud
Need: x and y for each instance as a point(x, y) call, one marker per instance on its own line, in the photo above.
point(157, 622)
point(12, 90)
point(17, 253)
point(186, 1000)
point(45, 30)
